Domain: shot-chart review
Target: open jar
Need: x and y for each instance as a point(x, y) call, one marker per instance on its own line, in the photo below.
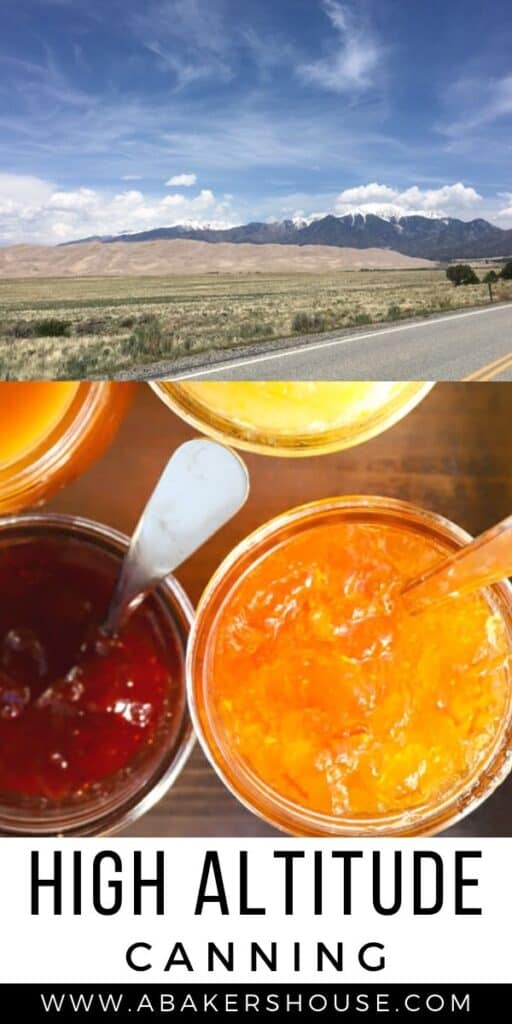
point(290, 418)
point(323, 708)
point(50, 432)
point(93, 731)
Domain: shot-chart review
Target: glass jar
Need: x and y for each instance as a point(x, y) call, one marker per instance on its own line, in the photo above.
point(74, 433)
point(130, 792)
point(292, 418)
point(249, 788)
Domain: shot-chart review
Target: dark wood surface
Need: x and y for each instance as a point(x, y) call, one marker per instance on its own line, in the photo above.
point(453, 454)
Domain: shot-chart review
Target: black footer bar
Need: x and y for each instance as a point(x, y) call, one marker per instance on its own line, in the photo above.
point(307, 1002)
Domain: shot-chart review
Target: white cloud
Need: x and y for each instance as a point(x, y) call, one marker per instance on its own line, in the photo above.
point(24, 189)
point(199, 24)
point(131, 177)
point(372, 193)
point(82, 199)
point(506, 212)
point(32, 210)
point(188, 38)
point(448, 201)
point(356, 57)
point(490, 100)
point(502, 94)
point(182, 180)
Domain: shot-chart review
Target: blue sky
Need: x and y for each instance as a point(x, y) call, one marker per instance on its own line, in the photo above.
point(127, 114)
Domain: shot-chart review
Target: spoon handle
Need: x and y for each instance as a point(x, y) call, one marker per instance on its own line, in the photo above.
point(203, 485)
point(485, 560)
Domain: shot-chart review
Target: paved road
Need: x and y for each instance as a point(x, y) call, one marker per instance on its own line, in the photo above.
point(474, 345)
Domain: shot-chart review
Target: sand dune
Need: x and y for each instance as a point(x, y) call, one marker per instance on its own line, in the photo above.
point(121, 259)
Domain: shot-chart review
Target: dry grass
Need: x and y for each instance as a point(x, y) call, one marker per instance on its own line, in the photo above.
point(108, 325)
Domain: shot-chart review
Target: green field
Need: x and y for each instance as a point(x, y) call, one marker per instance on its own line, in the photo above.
point(97, 327)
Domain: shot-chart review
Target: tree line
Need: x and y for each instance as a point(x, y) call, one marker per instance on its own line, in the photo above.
point(463, 273)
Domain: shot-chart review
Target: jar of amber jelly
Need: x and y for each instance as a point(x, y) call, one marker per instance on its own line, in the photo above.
point(93, 730)
point(323, 705)
point(291, 418)
point(50, 432)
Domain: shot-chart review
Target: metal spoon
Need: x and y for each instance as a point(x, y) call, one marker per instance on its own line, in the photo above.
point(485, 560)
point(201, 488)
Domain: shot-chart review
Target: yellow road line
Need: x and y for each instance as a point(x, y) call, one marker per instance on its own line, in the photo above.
point(491, 370)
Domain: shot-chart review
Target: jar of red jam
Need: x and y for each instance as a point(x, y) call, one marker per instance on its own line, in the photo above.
point(93, 730)
point(325, 706)
point(51, 431)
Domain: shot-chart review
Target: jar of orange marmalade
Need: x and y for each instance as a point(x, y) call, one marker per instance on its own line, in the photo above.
point(324, 706)
point(291, 418)
point(50, 432)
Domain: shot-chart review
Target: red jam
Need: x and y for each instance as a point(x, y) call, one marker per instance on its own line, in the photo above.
point(76, 708)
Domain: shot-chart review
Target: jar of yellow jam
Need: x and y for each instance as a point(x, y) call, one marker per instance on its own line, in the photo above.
point(327, 708)
point(292, 417)
point(50, 432)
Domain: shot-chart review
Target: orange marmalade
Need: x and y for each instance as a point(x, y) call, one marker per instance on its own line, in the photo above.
point(51, 431)
point(328, 693)
point(29, 412)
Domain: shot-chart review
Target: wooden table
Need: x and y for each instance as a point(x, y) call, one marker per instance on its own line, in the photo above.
point(453, 454)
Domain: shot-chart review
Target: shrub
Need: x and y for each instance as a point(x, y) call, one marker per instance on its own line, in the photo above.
point(148, 318)
point(394, 312)
point(319, 322)
point(52, 328)
point(506, 273)
point(300, 323)
point(255, 329)
point(462, 273)
point(148, 339)
point(491, 277)
point(362, 318)
point(20, 329)
point(78, 367)
point(148, 336)
point(304, 323)
point(91, 327)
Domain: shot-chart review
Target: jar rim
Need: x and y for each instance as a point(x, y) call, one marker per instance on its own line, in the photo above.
point(252, 791)
point(175, 603)
point(31, 476)
point(227, 431)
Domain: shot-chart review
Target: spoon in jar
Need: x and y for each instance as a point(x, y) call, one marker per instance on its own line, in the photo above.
point(203, 485)
point(485, 560)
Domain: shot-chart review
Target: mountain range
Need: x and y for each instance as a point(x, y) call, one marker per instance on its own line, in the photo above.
point(425, 237)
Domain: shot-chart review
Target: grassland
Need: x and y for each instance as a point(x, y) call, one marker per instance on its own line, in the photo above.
point(97, 327)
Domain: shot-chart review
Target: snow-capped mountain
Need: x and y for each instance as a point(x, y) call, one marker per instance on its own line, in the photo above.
point(435, 238)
